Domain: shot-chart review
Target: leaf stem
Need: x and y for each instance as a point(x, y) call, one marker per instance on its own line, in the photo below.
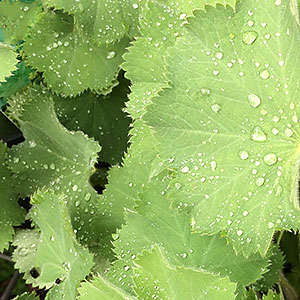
point(12, 283)
point(5, 257)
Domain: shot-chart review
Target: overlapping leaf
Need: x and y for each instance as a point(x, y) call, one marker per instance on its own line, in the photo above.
point(57, 254)
point(26, 296)
point(100, 117)
point(8, 61)
point(106, 20)
point(155, 278)
point(16, 17)
point(161, 24)
point(51, 156)
point(157, 223)
point(230, 121)
point(71, 63)
point(11, 213)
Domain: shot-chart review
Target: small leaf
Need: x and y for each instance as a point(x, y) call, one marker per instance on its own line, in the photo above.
point(11, 213)
point(8, 61)
point(57, 254)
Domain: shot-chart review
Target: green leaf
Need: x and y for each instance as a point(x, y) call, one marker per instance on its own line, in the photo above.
point(54, 157)
point(105, 20)
point(18, 80)
point(156, 278)
point(16, 17)
point(272, 296)
point(157, 223)
point(58, 254)
point(235, 149)
point(26, 296)
point(160, 26)
point(8, 61)
point(11, 213)
point(70, 62)
point(271, 277)
point(100, 117)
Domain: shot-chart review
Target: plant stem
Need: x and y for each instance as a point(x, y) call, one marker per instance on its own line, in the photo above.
point(12, 283)
point(5, 257)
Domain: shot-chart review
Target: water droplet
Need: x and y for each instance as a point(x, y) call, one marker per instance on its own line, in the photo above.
point(126, 268)
point(66, 266)
point(257, 135)
point(205, 91)
point(243, 155)
point(231, 35)
point(295, 118)
point(185, 169)
point(288, 132)
point(264, 74)
point(32, 144)
point(270, 159)
point(260, 181)
point(52, 166)
point(74, 187)
point(52, 238)
point(213, 165)
point(219, 55)
point(87, 196)
point(23, 251)
point(249, 37)
point(275, 131)
point(111, 55)
point(254, 100)
point(77, 203)
point(239, 232)
point(270, 225)
point(135, 5)
point(245, 213)
point(215, 108)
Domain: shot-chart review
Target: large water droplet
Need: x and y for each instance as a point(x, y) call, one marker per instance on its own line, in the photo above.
point(243, 155)
point(249, 37)
point(239, 232)
point(254, 100)
point(270, 159)
point(257, 135)
point(185, 169)
point(213, 165)
point(215, 108)
point(111, 55)
point(260, 181)
point(264, 74)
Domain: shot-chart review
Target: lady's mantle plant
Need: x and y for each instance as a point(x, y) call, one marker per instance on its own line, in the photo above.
point(197, 199)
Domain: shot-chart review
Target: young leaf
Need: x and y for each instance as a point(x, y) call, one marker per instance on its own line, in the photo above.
point(16, 17)
point(155, 278)
point(8, 61)
point(11, 213)
point(157, 223)
point(58, 255)
point(70, 62)
point(26, 296)
point(54, 157)
point(230, 122)
point(100, 117)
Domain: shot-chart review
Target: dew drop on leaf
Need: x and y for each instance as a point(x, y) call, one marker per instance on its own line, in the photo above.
point(239, 232)
point(254, 100)
point(270, 159)
point(23, 251)
point(215, 108)
point(185, 169)
point(264, 74)
point(243, 155)
point(249, 37)
point(257, 135)
point(260, 181)
point(111, 55)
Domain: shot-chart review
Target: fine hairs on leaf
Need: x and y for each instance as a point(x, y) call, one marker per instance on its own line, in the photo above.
point(160, 151)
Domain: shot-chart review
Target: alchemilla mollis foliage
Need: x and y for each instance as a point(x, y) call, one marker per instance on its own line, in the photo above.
point(155, 148)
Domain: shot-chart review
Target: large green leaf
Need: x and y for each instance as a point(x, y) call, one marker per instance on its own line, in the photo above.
point(8, 61)
point(106, 20)
point(155, 278)
point(157, 223)
point(57, 254)
point(100, 117)
point(16, 17)
point(11, 213)
point(54, 157)
point(230, 121)
point(71, 63)
point(160, 26)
